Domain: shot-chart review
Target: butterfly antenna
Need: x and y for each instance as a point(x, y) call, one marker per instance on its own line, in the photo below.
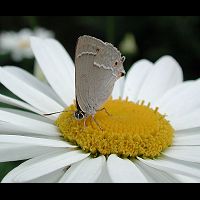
point(48, 114)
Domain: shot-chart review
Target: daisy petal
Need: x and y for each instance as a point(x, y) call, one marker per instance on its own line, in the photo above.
point(34, 125)
point(32, 80)
point(187, 132)
point(28, 114)
point(135, 79)
point(123, 170)
point(8, 128)
point(176, 107)
point(185, 148)
point(18, 139)
point(171, 94)
point(164, 75)
point(9, 178)
point(86, 171)
point(184, 179)
point(118, 88)
point(173, 166)
point(187, 121)
point(184, 154)
point(104, 177)
point(14, 152)
point(154, 175)
point(57, 67)
point(17, 103)
point(187, 140)
point(26, 89)
point(53, 177)
point(43, 165)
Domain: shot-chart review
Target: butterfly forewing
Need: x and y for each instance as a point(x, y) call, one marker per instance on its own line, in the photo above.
point(88, 45)
point(95, 72)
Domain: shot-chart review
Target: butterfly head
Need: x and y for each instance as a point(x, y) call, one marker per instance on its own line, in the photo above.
point(79, 114)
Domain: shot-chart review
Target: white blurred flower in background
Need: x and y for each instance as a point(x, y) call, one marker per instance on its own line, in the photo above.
point(17, 43)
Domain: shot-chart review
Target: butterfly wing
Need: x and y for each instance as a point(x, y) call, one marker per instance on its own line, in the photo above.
point(110, 58)
point(95, 72)
point(87, 45)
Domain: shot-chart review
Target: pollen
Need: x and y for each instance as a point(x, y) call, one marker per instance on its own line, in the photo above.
point(130, 130)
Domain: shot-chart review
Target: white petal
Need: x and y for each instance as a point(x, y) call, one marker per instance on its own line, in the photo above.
point(33, 125)
point(183, 100)
point(14, 152)
point(17, 103)
point(32, 80)
point(28, 114)
point(187, 140)
point(185, 148)
point(159, 176)
point(118, 88)
point(184, 154)
point(135, 79)
point(104, 176)
point(86, 171)
point(184, 179)
point(173, 166)
point(9, 178)
point(186, 121)
point(164, 75)
point(8, 128)
point(43, 165)
point(123, 170)
point(53, 177)
point(171, 94)
point(57, 67)
point(154, 175)
point(187, 132)
point(26, 89)
point(18, 139)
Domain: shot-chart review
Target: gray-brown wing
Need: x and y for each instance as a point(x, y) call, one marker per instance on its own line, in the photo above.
point(103, 86)
point(110, 58)
point(108, 64)
point(94, 83)
point(86, 49)
point(87, 45)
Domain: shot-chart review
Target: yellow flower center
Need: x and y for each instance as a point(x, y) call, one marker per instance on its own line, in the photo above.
point(131, 130)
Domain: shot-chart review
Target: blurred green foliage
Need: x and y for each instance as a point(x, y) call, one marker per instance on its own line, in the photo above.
point(155, 36)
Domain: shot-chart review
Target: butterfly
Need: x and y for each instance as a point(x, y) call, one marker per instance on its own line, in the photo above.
point(98, 65)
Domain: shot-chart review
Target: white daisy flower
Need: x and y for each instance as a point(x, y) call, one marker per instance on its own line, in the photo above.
point(154, 140)
point(18, 44)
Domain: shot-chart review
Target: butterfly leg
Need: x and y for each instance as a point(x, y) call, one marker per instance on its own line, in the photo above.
point(96, 122)
point(105, 111)
point(85, 122)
